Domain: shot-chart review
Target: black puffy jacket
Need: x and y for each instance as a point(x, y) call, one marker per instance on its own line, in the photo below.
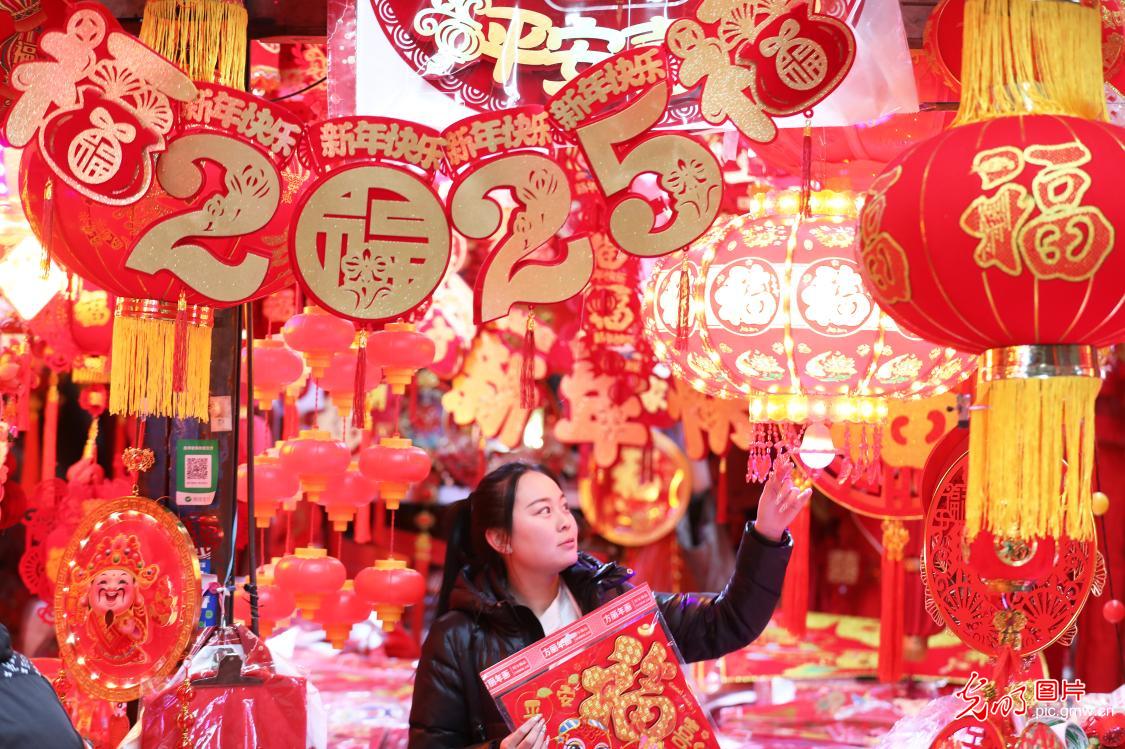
point(452, 709)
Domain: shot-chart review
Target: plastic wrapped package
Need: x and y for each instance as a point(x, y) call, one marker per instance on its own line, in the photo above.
point(237, 694)
point(610, 679)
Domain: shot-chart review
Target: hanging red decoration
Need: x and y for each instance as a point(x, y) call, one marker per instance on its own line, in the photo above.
point(310, 575)
point(318, 335)
point(401, 351)
point(346, 493)
point(396, 464)
point(314, 458)
point(273, 485)
point(276, 367)
point(390, 586)
point(204, 233)
point(1114, 611)
point(338, 612)
point(339, 379)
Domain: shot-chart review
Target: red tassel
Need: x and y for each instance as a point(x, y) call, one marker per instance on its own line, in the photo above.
point(892, 614)
point(179, 356)
point(413, 393)
point(795, 590)
point(723, 491)
point(806, 169)
point(683, 311)
point(359, 396)
point(648, 463)
point(528, 391)
point(48, 226)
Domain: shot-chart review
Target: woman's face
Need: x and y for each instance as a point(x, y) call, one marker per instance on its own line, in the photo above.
point(544, 534)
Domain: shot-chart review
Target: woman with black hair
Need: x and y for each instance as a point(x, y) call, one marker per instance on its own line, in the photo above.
point(513, 574)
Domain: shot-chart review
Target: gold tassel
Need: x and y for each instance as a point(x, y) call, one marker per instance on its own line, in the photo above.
point(206, 38)
point(1024, 57)
point(144, 348)
point(1012, 496)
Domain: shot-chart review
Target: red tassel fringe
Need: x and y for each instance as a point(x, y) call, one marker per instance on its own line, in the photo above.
point(528, 391)
point(359, 397)
point(795, 590)
point(179, 355)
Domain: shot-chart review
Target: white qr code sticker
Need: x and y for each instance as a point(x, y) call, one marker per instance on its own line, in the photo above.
point(197, 471)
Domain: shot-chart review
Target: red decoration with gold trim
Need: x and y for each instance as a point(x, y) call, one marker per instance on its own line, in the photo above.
point(127, 598)
point(998, 594)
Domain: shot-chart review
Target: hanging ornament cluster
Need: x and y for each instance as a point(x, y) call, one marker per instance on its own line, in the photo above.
point(1008, 252)
point(770, 307)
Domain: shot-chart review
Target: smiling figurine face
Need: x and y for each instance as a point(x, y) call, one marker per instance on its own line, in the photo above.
point(112, 590)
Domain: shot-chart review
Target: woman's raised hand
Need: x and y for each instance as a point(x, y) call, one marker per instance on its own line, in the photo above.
point(780, 502)
point(531, 735)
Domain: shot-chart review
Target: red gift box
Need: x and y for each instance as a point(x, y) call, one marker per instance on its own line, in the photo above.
point(252, 708)
point(613, 678)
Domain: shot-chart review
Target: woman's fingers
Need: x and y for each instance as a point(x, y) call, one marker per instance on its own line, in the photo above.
point(522, 737)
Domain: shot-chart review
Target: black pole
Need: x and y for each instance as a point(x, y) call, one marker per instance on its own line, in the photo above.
point(252, 526)
point(232, 530)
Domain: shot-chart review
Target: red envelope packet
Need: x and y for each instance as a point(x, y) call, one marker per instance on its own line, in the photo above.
point(614, 678)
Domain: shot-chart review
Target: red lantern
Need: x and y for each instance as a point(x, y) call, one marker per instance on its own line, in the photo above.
point(276, 367)
point(272, 486)
point(998, 237)
point(166, 258)
point(390, 586)
point(401, 351)
point(396, 464)
point(339, 378)
point(309, 575)
point(318, 335)
point(274, 606)
point(345, 494)
point(340, 611)
point(91, 326)
point(314, 458)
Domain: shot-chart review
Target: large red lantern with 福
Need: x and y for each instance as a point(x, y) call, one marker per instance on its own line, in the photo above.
point(999, 237)
point(201, 226)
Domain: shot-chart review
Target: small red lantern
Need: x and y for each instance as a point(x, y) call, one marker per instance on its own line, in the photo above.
point(390, 586)
point(318, 335)
point(274, 606)
point(396, 464)
point(276, 367)
point(339, 612)
point(309, 575)
point(345, 494)
point(339, 378)
point(314, 458)
point(272, 486)
point(401, 351)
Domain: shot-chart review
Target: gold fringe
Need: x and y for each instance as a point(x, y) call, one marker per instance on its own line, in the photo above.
point(1017, 447)
point(141, 379)
point(206, 38)
point(1031, 57)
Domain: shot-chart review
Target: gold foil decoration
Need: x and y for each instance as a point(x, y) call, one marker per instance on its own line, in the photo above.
point(710, 424)
point(365, 257)
point(686, 171)
point(253, 191)
point(487, 392)
point(514, 272)
point(595, 418)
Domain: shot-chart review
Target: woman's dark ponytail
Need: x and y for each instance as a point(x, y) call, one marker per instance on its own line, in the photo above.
point(490, 506)
point(458, 551)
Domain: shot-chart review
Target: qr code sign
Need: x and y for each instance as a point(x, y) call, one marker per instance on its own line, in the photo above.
point(197, 471)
